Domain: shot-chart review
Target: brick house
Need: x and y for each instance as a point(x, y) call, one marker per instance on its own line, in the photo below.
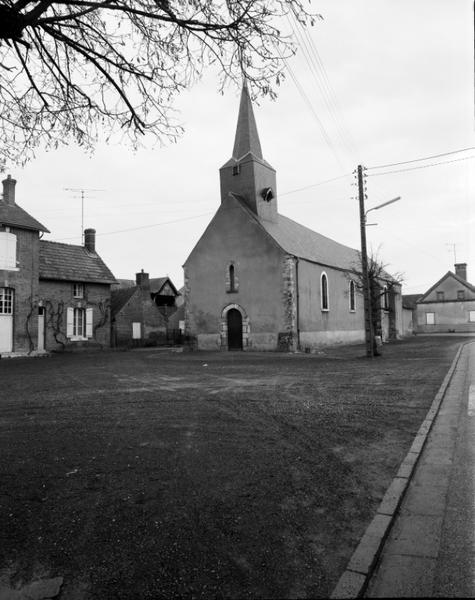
point(52, 296)
point(141, 311)
point(448, 306)
point(258, 280)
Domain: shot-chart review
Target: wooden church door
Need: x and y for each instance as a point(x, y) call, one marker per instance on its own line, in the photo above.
point(234, 329)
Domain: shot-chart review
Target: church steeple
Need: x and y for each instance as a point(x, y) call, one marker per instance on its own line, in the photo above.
point(247, 174)
point(247, 138)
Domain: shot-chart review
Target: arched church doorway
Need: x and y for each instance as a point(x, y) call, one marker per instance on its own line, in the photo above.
point(234, 319)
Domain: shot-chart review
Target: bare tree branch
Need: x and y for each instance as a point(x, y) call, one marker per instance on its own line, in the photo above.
point(79, 70)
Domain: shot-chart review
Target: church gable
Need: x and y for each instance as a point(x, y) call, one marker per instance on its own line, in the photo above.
point(236, 230)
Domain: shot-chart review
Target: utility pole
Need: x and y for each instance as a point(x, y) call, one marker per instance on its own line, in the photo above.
point(368, 313)
point(82, 191)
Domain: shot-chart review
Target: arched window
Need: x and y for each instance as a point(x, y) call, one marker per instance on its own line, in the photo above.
point(232, 281)
point(351, 293)
point(385, 298)
point(324, 292)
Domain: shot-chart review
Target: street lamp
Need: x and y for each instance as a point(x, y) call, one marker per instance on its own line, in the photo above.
point(381, 206)
point(369, 327)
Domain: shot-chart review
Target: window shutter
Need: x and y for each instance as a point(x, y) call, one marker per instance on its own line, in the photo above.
point(69, 322)
point(89, 320)
point(3, 249)
point(11, 250)
point(7, 250)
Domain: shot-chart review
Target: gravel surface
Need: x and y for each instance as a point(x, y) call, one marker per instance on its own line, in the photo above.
point(157, 474)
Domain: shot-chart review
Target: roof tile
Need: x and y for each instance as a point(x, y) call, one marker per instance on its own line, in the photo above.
point(72, 263)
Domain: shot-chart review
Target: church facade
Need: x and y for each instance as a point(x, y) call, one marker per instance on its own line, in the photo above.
point(256, 280)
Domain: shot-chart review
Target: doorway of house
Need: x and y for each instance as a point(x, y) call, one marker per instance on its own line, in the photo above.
point(6, 319)
point(234, 329)
point(41, 328)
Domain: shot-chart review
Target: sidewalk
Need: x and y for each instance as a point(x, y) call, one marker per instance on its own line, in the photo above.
point(430, 550)
point(421, 541)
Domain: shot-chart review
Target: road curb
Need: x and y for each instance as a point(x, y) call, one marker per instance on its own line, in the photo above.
point(354, 581)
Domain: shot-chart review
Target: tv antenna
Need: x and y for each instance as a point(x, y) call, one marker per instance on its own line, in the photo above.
point(454, 249)
point(83, 191)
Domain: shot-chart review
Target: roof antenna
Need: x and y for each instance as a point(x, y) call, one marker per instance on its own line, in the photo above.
point(82, 191)
point(454, 246)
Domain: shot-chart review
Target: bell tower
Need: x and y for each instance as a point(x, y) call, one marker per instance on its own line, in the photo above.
point(247, 174)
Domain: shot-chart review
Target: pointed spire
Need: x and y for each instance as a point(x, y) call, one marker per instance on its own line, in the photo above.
point(247, 138)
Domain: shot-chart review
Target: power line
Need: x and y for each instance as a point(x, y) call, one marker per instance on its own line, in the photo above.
point(315, 184)
point(320, 75)
point(207, 213)
point(145, 226)
point(444, 162)
point(406, 162)
point(306, 99)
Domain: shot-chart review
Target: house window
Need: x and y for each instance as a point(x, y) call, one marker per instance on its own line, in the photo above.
point(79, 323)
point(324, 291)
point(430, 318)
point(232, 283)
point(385, 298)
point(440, 296)
point(78, 290)
point(8, 251)
point(352, 292)
point(461, 295)
point(471, 316)
point(6, 301)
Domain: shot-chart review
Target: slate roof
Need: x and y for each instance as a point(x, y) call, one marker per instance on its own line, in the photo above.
point(409, 300)
point(68, 262)
point(305, 243)
point(14, 216)
point(246, 138)
point(123, 283)
point(156, 284)
point(120, 297)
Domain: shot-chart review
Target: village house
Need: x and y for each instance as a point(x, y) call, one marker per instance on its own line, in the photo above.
point(258, 280)
point(448, 306)
point(142, 310)
point(53, 296)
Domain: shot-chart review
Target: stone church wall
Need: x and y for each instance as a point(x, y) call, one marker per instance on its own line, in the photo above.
point(336, 325)
point(234, 238)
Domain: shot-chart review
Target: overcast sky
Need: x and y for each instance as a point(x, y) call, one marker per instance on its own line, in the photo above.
point(398, 85)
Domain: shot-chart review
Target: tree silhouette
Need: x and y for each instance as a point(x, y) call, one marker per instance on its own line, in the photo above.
point(382, 290)
point(71, 70)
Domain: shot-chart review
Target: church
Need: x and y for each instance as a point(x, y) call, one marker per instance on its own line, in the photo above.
point(257, 280)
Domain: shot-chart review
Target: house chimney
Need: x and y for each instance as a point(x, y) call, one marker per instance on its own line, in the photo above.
point(461, 270)
point(9, 190)
point(90, 240)
point(142, 280)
